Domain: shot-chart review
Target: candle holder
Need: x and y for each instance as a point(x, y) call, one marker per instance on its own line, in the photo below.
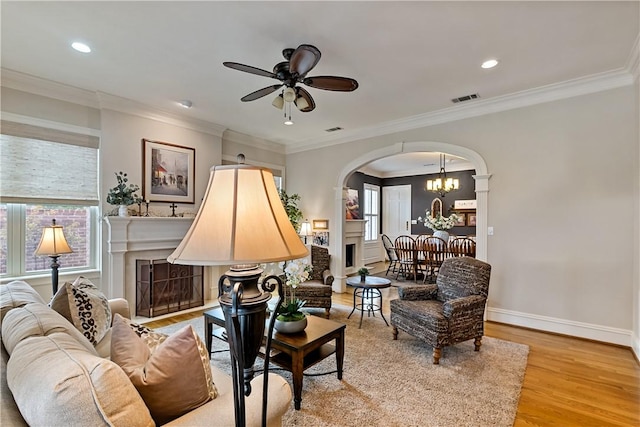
point(146, 213)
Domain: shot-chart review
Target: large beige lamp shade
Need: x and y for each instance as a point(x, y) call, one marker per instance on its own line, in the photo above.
point(241, 221)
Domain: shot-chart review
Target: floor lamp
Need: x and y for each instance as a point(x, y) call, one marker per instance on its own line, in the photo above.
point(53, 244)
point(241, 222)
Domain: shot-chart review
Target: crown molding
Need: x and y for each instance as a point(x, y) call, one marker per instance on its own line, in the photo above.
point(34, 121)
point(253, 141)
point(100, 100)
point(123, 105)
point(633, 63)
point(549, 93)
point(48, 88)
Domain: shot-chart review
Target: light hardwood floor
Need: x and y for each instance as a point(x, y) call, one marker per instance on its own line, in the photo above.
point(568, 381)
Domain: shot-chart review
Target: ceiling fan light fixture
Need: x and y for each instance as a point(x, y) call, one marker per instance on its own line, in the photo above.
point(289, 94)
point(288, 122)
point(278, 102)
point(301, 103)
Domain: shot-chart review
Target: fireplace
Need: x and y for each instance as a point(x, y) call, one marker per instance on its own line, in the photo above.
point(145, 238)
point(163, 288)
point(354, 245)
point(349, 255)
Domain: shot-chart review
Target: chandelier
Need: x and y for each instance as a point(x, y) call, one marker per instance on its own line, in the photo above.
point(442, 185)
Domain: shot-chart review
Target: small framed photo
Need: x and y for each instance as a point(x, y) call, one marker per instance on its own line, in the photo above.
point(321, 238)
point(168, 172)
point(320, 224)
point(471, 220)
point(461, 221)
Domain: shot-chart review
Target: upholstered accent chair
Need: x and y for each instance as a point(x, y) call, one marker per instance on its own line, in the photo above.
point(317, 291)
point(447, 312)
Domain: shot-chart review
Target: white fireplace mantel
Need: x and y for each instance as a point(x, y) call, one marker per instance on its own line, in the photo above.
point(143, 237)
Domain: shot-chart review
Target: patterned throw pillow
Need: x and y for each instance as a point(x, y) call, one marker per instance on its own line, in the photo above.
point(174, 378)
point(150, 337)
point(85, 306)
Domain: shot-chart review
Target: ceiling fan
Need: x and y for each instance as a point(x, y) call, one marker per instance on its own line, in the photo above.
point(291, 72)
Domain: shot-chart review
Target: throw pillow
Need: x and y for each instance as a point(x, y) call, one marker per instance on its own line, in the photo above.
point(150, 337)
point(85, 306)
point(173, 379)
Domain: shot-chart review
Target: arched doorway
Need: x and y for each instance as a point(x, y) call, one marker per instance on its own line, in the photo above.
point(481, 187)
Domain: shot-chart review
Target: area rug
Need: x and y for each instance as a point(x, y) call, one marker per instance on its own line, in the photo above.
point(394, 383)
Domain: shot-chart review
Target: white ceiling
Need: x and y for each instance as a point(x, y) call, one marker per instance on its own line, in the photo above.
point(410, 58)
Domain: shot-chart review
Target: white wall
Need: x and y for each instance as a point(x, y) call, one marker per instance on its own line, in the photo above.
point(121, 150)
point(561, 200)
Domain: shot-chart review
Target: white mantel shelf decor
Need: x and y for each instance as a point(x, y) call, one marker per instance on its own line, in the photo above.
point(129, 238)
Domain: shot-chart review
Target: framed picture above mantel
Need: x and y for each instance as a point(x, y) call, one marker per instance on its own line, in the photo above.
point(168, 172)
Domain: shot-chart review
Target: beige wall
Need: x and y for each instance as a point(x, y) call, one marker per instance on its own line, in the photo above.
point(563, 185)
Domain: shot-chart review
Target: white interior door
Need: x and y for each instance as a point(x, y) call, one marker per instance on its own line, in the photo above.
point(396, 216)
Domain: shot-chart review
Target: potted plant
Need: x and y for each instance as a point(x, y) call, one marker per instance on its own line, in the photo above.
point(439, 224)
point(123, 194)
point(363, 272)
point(290, 204)
point(289, 317)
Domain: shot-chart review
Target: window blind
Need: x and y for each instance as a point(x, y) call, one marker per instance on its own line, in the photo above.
point(39, 165)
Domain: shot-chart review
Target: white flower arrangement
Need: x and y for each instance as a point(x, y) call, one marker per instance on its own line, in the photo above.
point(439, 222)
point(296, 271)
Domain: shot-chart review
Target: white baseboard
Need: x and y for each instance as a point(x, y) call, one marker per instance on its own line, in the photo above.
point(636, 346)
point(566, 327)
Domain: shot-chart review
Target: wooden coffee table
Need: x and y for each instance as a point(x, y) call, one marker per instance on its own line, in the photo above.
point(294, 352)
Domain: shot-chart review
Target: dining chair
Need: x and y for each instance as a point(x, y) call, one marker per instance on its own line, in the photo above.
point(405, 247)
point(435, 253)
point(462, 246)
point(391, 254)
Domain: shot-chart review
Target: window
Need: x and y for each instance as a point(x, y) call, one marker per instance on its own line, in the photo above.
point(21, 230)
point(47, 174)
point(371, 212)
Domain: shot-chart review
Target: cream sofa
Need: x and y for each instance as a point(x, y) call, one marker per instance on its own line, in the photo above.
point(52, 375)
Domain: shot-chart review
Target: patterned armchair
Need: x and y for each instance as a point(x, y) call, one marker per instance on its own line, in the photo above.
point(317, 291)
point(448, 312)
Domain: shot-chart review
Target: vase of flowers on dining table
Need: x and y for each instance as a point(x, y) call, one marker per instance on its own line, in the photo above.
point(439, 224)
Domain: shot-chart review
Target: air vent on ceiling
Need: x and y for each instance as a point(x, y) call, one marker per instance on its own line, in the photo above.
point(465, 98)
point(333, 129)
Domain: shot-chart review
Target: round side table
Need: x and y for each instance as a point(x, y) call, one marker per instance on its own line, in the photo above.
point(367, 296)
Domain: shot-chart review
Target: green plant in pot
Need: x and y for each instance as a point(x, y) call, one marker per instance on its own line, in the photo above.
point(290, 203)
point(123, 194)
point(363, 272)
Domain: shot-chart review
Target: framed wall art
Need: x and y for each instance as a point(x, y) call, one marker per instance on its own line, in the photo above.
point(471, 220)
point(461, 221)
point(168, 172)
point(320, 224)
point(321, 238)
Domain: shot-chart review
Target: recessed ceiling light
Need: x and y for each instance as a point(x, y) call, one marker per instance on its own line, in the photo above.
point(186, 103)
point(490, 63)
point(81, 47)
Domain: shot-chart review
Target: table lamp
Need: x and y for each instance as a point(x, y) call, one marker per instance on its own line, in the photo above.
point(305, 230)
point(241, 222)
point(53, 244)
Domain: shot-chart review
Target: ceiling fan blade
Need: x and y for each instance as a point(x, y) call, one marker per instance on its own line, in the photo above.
point(303, 59)
point(307, 97)
point(340, 84)
point(260, 93)
point(249, 69)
